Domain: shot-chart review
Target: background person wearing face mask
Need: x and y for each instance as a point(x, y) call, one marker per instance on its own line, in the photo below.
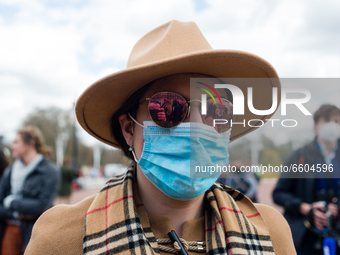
point(301, 196)
point(27, 189)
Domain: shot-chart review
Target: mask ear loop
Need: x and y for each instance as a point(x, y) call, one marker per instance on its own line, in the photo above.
point(133, 153)
point(131, 146)
point(135, 121)
point(135, 167)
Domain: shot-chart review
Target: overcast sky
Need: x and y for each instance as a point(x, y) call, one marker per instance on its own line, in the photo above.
point(50, 51)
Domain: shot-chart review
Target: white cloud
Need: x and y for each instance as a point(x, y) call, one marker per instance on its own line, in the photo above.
point(51, 51)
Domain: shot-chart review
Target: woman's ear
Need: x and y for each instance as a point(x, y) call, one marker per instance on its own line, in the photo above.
point(32, 145)
point(127, 128)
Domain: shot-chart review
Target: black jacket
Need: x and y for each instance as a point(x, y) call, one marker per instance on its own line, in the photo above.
point(40, 188)
point(290, 193)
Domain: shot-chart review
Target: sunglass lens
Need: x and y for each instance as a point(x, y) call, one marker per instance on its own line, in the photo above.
point(167, 109)
point(219, 116)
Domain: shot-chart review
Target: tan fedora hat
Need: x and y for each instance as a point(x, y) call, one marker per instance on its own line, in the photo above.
point(174, 47)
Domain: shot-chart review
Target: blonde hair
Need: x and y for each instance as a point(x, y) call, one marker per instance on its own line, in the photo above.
point(31, 134)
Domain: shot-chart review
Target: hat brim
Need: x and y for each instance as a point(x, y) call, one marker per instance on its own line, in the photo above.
point(100, 101)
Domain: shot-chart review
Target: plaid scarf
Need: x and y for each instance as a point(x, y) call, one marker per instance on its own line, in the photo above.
point(115, 224)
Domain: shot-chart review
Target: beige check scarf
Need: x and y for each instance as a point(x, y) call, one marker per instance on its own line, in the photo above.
point(115, 224)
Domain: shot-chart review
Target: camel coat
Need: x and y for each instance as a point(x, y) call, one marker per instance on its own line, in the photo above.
point(59, 231)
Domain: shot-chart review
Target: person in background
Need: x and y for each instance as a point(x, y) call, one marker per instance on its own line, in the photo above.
point(177, 111)
point(67, 176)
point(156, 111)
point(3, 162)
point(308, 199)
point(27, 189)
point(167, 110)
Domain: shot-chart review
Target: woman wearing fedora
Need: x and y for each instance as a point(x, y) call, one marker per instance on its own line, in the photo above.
point(157, 207)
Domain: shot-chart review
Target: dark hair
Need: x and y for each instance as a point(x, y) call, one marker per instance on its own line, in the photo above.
point(3, 162)
point(31, 134)
point(130, 106)
point(325, 112)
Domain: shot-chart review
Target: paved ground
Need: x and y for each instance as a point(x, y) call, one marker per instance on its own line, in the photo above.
point(264, 193)
point(81, 194)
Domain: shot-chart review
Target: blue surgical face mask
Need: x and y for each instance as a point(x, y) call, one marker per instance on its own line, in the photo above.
point(183, 162)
